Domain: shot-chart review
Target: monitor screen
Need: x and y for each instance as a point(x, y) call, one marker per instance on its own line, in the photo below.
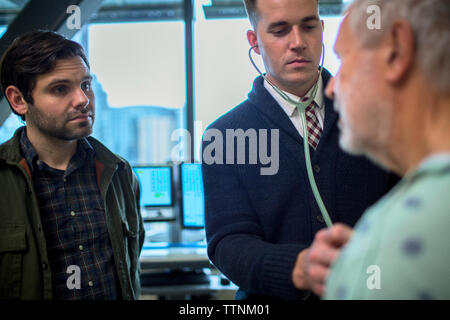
point(193, 199)
point(156, 185)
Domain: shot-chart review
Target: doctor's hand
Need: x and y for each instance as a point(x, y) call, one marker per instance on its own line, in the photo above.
point(313, 264)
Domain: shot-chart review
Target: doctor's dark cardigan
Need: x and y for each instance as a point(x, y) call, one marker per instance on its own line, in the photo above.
point(257, 224)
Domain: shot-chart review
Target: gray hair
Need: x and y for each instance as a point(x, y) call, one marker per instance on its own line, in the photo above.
point(430, 22)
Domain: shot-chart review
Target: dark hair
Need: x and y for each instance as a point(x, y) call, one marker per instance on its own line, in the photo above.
point(32, 54)
point(252, 11)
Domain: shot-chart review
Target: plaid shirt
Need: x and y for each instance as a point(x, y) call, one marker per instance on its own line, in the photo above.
point(73, 220)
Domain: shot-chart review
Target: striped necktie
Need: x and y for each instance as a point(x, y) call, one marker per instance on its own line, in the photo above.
point(314, 129)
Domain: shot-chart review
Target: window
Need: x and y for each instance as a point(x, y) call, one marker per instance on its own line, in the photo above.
point(12, 122)
point(8, 11)
point(139, 87)
point(10, 125)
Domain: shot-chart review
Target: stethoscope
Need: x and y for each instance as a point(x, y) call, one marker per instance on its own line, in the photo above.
point(301, 106)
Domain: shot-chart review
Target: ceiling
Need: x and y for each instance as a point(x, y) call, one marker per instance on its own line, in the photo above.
point(12, 4)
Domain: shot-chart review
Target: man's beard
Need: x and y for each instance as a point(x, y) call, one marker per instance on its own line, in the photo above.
point(373, 145)
point(346, 138)
point(57, 128)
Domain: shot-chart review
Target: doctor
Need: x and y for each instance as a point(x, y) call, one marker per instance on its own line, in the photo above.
point(259, 227)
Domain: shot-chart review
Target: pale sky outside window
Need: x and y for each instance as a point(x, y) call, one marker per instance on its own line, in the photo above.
point(140, 64)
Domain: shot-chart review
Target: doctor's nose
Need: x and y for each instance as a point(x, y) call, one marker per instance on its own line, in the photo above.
point(296, 39)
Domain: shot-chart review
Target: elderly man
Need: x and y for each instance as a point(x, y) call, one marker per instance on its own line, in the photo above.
point(398, 115)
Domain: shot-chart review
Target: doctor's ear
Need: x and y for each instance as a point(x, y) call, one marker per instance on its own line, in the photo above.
point(253, 40)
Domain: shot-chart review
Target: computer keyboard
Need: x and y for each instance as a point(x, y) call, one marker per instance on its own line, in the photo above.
point(174, 277)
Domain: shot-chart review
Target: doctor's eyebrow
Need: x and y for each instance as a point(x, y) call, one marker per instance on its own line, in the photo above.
point(283, 23)
point(310, 18)
point(303, 20)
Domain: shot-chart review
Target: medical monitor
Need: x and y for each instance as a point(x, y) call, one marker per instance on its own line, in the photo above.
point(192, 196)
point(156, 184)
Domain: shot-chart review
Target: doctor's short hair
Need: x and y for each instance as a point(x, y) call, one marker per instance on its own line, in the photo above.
point(251, 7)
point(430, 22)
point(33, 54)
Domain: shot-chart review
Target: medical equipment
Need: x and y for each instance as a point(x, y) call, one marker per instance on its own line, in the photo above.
point(301, 106)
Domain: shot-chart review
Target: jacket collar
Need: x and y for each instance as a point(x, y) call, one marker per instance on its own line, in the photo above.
point(83, 150)
point(10, 152)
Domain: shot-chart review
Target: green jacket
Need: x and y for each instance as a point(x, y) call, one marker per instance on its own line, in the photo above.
point(24, 267)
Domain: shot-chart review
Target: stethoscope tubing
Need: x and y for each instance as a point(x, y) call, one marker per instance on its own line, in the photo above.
point(301, 106)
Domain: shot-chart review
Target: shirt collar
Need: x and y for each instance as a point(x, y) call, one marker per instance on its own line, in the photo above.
point(84, 149)
point(27, 149)
point(288, 107)
point(434, 163)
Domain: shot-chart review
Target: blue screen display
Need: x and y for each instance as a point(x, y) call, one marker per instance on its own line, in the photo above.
point(156, 186)
point(193, 196)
